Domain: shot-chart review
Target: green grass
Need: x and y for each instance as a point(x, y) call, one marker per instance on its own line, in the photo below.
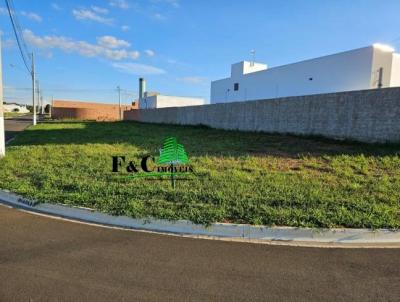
point(252, 178)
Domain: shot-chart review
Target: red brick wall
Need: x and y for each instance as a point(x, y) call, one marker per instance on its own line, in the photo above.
point(87, 111)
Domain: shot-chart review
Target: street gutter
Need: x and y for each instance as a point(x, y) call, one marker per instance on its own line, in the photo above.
point(335, 237)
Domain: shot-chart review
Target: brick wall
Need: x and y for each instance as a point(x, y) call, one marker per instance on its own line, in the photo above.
point(366, 115)
point(87, 111)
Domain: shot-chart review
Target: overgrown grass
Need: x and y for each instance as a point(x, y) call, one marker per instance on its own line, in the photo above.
point(252, 178)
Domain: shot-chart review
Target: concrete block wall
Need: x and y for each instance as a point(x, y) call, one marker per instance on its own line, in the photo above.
point(365, 115)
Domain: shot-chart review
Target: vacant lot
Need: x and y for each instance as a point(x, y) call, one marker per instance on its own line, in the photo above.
point(246, 177)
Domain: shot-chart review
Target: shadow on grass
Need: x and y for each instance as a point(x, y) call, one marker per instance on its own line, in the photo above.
point(11, 134)
point(198, 140)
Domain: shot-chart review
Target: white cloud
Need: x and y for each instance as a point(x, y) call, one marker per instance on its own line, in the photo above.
point(123, 4)
point(55, 6)
point(174, 3)
point(46, 54)
point(138, 69)
point(83, 48)
point(32, 16)
point(112, 42)
point(150, 53)
point(3, 11)
point(8, 43)
point(125, 28)
point(134, 54)
point(100, 10)
point(159, 16)
point(87, 14)
point(193, 80)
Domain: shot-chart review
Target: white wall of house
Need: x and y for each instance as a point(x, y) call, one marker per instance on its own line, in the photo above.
point(346, 71)
point(395, 75)
point(14, 108)
point(162, 101)
point(148, 102)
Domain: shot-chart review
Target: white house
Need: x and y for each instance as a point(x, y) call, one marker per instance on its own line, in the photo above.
point(151, 100)
point(375, 66)
point(15, 108)
point(155, 100)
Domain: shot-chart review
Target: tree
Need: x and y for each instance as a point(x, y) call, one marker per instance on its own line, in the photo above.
point(172, 154)
point(47, 109)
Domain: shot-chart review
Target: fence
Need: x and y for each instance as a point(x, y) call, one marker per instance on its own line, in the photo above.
point(87, 111)
point(366, 115)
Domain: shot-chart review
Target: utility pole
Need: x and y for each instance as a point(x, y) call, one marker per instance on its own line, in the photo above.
point(33, 89)
point(41, 104)
point(119, 102)
point(2, 133)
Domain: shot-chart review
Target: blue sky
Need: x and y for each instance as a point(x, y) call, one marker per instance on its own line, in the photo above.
point(86, 48)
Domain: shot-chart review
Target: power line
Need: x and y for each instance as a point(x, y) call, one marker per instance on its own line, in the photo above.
point(18, 35)
point(23, 49)
point(19, 29)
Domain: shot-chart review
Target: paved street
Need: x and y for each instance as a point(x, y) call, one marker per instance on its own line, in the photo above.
point(16, 124)
point(44, 259)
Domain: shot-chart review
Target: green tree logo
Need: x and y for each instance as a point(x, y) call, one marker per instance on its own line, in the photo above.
point(172, 162)
point(172, 154)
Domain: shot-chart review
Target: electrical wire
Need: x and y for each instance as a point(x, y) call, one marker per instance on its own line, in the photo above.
point(19, 35)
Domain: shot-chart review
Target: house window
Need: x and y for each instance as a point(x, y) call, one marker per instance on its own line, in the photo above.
point(236, 86)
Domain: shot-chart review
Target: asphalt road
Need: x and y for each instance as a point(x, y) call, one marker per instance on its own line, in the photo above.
point(16, 124)
point(44, 259)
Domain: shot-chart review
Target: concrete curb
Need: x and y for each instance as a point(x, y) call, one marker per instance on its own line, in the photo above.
point(240, 232)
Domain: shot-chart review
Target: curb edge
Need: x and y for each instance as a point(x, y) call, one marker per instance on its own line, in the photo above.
point(338, 237)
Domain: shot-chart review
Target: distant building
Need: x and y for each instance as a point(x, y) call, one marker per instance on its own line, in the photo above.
point(375, 66)
point(156, 100)
point(15, 108)
point(151, 100)
point(88, 111)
